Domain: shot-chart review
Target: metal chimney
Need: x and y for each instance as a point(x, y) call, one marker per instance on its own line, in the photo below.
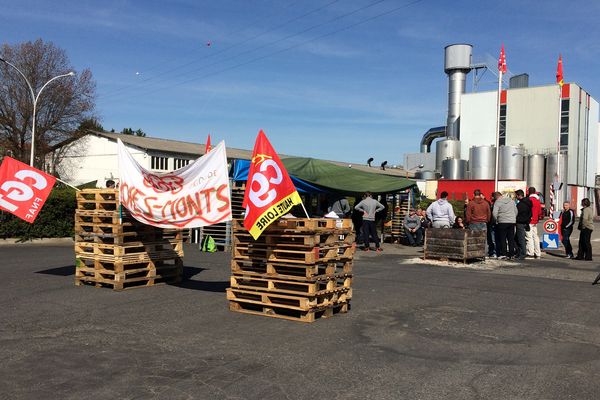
point(457, 64)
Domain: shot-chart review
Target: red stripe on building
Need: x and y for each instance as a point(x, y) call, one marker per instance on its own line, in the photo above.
point(566, 91)
point(503, 97)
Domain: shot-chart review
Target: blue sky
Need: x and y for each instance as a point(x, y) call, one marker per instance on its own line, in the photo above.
point(313, 74)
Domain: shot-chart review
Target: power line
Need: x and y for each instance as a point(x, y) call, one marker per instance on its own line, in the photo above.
point(224, 50)
point(235, 66)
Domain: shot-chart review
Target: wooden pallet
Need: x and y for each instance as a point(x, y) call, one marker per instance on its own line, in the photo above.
point(291, 271)
point(172, 246)
point(302, 255)
point(301, 225)
point(297, 239)
point(125, 276)
point(292, 302)
point(286, 313)
point(98, 199)
point(295, 287)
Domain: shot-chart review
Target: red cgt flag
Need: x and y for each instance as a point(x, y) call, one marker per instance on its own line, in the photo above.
point(208, 147)
point(502, 61)
point(559, 72)
point(23, 189)
point(270, 193)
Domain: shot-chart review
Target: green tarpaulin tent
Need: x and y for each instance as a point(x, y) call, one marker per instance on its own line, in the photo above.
point(344, 180)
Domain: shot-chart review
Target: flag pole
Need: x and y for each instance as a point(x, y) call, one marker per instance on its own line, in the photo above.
point(302, 204)
point(557, 187)
point(498, 129)
point(557, 175)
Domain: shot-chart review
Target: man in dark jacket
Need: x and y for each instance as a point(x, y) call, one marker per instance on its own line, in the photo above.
point(524, 209)
point(567, 219)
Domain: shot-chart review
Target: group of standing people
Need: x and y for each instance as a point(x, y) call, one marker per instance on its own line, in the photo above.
point(511, 225)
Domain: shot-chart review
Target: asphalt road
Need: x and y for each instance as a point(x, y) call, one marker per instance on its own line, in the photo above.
point(415, 331)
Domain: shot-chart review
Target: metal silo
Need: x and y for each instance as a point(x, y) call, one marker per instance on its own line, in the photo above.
point(457, 64)
point(482, 162)
point(510, 163)
point(550, 177)
point(445, 149)
point(426, 175)
point(454, 169)
point(535, 172)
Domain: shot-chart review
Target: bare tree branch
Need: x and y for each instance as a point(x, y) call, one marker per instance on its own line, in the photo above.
point(61, 108)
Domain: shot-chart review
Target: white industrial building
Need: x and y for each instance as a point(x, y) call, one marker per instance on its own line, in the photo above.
point(93, 157)
point(530, 119)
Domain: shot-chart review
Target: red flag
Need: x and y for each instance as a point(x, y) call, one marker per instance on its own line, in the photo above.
point(23, 189)
point(559, 72)
point(208, 147)
point(502, 61)
point(270, 193)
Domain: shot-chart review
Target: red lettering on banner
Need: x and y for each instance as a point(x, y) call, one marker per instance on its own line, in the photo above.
point(194, 206)
point(206, 193)
point(223, 197)
point(148, 211)
point(186, 208)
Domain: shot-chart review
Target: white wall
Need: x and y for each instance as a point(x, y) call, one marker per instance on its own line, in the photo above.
point(532, 118)
point(94, 158)
point(477, 121)
point(593, 144)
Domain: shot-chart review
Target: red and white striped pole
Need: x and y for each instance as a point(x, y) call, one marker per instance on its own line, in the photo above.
point(551, 193)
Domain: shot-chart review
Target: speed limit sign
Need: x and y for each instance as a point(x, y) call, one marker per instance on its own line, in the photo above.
point(550, 226)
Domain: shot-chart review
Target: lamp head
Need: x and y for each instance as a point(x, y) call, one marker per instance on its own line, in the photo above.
point(71, 73)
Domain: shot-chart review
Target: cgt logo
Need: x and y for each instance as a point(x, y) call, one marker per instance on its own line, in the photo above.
point(261, 194)
point(23, 189)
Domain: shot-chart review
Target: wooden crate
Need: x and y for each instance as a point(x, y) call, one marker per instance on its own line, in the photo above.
point(454, 244)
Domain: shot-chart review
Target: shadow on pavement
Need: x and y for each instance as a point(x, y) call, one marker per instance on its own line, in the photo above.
point(205, 286)
point(60, 271)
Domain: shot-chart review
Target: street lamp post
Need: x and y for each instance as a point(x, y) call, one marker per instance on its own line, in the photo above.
point(35, 99)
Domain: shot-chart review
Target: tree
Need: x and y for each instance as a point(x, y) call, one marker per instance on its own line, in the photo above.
point(62, 107)
point(129, 131)
point(90, 124)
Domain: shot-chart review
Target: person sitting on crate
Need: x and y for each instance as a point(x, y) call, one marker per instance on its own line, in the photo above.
point(340, 206)
point(458, 223)
point(369, 207)
point(412, 228)
point(425, 223)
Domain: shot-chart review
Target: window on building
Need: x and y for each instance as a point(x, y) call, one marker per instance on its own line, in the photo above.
point(159, 163)
point(502, 131)
point(564, 123)
point(180, 162)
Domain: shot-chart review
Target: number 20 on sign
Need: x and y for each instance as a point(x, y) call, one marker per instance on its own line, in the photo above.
point(550, 226)
point(23, 189)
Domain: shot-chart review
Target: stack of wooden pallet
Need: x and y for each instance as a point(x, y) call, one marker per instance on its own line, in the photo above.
point(112, 249)
point(298, 269)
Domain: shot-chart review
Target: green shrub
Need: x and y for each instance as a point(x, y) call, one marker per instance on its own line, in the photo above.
point(55, 220)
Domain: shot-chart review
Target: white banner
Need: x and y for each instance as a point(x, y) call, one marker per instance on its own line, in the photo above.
point(193, 196)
